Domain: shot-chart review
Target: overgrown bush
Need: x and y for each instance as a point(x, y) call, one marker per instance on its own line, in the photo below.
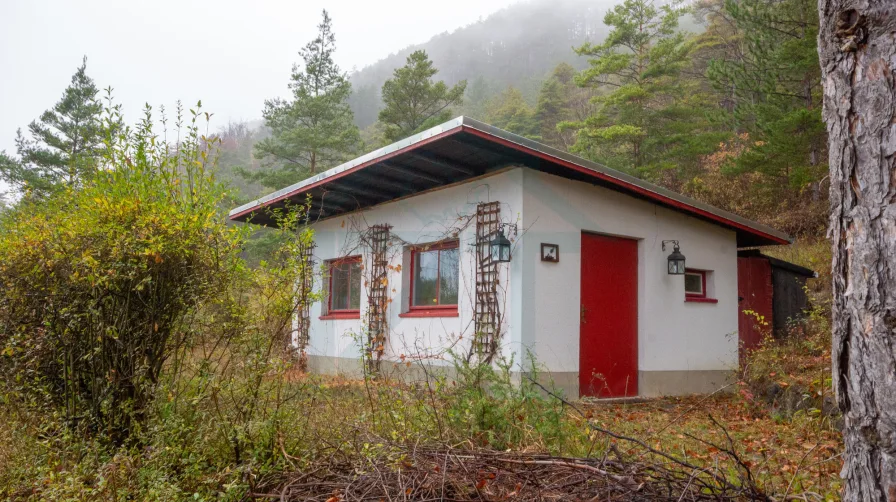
point(792, 371)
point(501, 411)
point(102, 283)
point(237, 372)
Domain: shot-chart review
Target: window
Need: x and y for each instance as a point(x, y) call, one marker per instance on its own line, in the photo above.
point(435, 274)
point(695, 286)
point(345, 288)
point(695, 283)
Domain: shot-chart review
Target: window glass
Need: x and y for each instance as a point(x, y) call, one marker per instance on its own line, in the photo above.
point(693, 283)
point(345, 284)
point(354, 299)
point(426, 278)
point(435, 277)
point(449, 270)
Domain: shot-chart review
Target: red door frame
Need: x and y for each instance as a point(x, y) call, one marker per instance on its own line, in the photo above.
point(608, 322)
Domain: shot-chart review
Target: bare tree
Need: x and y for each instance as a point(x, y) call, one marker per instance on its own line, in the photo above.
point(857, 48)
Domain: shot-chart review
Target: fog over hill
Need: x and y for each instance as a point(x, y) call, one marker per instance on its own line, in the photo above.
point(517, 46)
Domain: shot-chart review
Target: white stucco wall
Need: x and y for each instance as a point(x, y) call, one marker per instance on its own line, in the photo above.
point(420, 219)
point(673, 335)
point(540, 309)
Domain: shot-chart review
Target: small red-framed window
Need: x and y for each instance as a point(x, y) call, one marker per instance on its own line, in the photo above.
point(435, 279)
point(695, 283)
point(344, 291)
point(695, 286)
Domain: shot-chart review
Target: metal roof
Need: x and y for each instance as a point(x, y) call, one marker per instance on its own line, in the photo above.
point(464, 148)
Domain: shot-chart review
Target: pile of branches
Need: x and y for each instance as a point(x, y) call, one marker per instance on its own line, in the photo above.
point(431, 474)
point(444, 473)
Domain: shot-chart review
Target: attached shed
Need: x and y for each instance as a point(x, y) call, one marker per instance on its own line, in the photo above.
point(772, 294)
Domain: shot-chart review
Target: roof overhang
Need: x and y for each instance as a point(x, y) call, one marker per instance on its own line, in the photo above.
point(461, 149)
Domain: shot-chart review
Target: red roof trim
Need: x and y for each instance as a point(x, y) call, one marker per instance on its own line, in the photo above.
point(348, 171)
point(624, 184)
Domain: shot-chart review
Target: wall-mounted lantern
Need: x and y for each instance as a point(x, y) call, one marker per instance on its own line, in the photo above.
point(675, 261)
point(499, 247)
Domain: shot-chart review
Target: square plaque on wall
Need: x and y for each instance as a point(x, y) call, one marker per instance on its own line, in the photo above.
point(550, 252)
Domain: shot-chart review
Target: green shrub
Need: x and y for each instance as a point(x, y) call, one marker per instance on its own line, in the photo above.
point(102, 283)
point(495, 407)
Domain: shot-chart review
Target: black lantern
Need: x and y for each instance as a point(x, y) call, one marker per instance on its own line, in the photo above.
point(499, 247)
point(675, 260)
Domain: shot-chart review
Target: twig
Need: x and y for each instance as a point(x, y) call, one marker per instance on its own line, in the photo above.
point(797, 471)
point(638, 442)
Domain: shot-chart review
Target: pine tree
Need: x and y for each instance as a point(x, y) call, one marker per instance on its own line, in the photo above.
point(510, 112)
point(561, 100)
point(315, 130)
point(476, 97)
point(767, 67)
point(856, 52)
point(65, 144)
point(414, 102)
point(638, 68)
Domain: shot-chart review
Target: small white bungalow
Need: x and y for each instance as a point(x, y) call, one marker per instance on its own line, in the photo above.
point(591, 285)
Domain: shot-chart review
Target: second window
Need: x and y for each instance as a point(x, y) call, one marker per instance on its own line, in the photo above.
point(435, 276)
point(345, 285)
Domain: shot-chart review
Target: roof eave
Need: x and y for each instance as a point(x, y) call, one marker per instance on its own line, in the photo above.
point(766, 235)
point(650, 190)
point(411, 142)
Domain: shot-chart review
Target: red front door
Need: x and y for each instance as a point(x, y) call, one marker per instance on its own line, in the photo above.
point(608, 334)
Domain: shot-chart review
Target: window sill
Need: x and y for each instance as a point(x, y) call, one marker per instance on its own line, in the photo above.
point(701, 300)
point(340, 315)
point(431, 313)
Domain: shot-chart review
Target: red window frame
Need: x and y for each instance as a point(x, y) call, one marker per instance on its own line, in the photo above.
point(702, 274)
point(340, 313)
point(430, 310)
point(698, 297)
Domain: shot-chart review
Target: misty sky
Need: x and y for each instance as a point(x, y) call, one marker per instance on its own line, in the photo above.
point(231, 54)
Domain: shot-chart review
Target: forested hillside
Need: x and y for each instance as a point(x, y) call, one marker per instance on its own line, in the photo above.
point(517, 46)
point(716, 99)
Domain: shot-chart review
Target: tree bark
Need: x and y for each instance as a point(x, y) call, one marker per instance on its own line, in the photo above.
point(857, 49)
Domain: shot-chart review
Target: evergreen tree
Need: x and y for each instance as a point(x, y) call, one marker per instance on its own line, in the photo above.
point(476, 97)
point(510, 112)
point(638, 67)
point(766, 66)
point(65, 144)
point(561, 100)
point(413, 102)
point(856, 52)
point(314, 131)
point(365, 104)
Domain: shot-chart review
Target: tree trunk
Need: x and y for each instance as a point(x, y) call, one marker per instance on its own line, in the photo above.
point(857, 49)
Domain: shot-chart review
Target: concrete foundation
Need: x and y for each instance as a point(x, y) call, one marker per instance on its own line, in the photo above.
point(680, 383)
point(650, 383)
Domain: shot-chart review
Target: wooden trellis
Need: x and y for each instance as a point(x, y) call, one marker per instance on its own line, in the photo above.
point(377, 294)
point(303, 304)
point(486, 312)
